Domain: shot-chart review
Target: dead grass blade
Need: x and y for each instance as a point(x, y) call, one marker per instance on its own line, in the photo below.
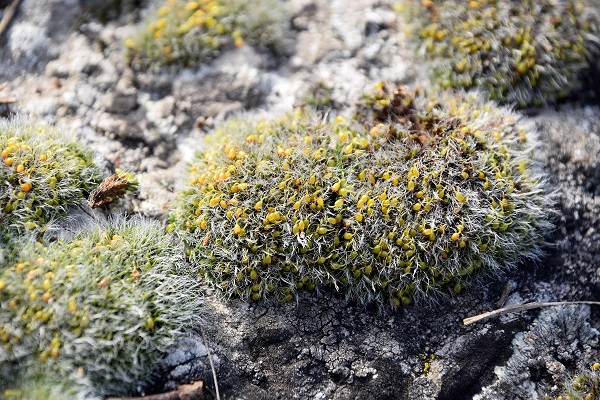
point(9, 13)
point(523, 307)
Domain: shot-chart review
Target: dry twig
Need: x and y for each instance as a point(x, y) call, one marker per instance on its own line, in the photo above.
point(523, 307)
point(193, 391)
point(7, 98)
point(105, 193)
point(9, 13)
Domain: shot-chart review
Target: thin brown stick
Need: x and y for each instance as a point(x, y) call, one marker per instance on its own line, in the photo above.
point(7, 99)
point(523, 307)
point(9, 13)
point(194, 390)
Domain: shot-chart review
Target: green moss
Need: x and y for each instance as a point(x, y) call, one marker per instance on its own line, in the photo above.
point(40, 388)
point(42, 174)
point(583, 386)
point(523, 52)
point(419, 195)
point(99, 309)
point(189, 33)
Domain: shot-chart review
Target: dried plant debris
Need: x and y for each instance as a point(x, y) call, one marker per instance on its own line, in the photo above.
point(112, 188)
point(6, 98)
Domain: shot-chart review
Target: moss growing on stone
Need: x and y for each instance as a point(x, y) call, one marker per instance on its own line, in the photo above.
point(42, 174)
point(417, 196)
point(583, 386)
point(99, 309)
point(522, 52)
point(189, 33)
point(41, 388)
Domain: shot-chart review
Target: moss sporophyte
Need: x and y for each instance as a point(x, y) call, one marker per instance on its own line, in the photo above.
point(521, 52)
point(415, 195)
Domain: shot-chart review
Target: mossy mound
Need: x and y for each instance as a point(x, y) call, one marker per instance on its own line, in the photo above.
point(188, 33)
point(42, 174)
point(421, 194)
point(583, 386)
point(99, 309)
point(522, 52)
point(41, 388)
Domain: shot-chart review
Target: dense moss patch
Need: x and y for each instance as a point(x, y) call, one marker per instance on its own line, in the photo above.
point(417, 195)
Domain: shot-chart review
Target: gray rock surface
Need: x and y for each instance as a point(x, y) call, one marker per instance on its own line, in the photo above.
point(75, 76)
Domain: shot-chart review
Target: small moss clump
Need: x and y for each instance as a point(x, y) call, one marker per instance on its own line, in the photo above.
point(585, 385)
point(99, 309)
point(189, 33)
point(42, 174)
point(41, 388)
point(521, 51)
point(418, 195)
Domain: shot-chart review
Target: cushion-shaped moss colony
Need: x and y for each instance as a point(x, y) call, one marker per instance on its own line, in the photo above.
point(521, 51)
point(42, 174)
point(583, 386)
point(100, 308)
point(422, 195)
point(41, 388)
point(189, 33)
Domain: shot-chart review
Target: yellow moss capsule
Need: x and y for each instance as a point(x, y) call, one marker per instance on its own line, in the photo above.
point(348, 235)
point(455, 236)
point(258, 205)
point(416, 206)
point(237, 229)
